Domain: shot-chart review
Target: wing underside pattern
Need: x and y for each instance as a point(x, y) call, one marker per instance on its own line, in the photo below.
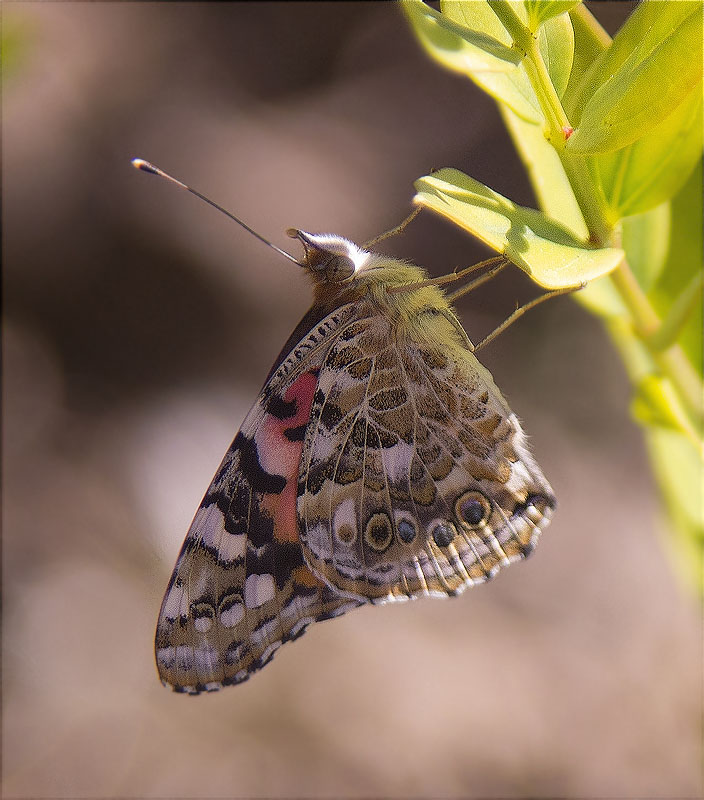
point(415, 478)
point(371, 468)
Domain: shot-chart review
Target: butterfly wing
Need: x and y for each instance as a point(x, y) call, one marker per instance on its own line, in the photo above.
point(240, 587)
point(415, 477)
point(373, 467)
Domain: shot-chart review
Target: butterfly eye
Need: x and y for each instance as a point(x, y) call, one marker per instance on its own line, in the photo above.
point(332, 257)
point(472, 509)
point(336, 268)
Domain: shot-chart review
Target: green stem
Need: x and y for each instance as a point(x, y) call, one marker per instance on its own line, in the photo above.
point(671, 361)
point(591, 25)
point(600, 230)
point(539, 77)
point(676, 366)
point(677, 316)
point(511, 21)
point(556, 118)
point(525, 41)
point(638, 362)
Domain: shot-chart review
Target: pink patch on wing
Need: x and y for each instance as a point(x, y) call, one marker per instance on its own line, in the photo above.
point(278, 455)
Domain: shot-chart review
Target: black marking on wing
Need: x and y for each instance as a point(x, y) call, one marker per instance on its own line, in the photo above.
point(330, 415)
point(288, 556)
point(257, 477)
point(296, 434)
point(260, 530)
point(279, 408)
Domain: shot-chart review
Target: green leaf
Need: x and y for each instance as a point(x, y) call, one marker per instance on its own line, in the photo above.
point(456, 47)
point(646, 240)
point(544, 249)
point(540, 11)
point(477, 16)
point(683, 265)
point(658, 73)
point(603, 57)
point(590, 41)
point(678, 467)
point(653, 169)
point(547, 175)
point(556, 42)
point(509, 87)
point(655, 403)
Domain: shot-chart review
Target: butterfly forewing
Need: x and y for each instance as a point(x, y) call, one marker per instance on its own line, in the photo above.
point(241, 587)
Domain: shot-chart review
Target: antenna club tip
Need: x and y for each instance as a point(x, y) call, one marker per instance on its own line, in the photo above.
point(145, 166)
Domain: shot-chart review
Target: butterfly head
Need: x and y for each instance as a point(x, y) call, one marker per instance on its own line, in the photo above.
point(330, 258)
point(343, 272)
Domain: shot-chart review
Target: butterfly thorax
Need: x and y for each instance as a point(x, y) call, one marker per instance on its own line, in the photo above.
point(344, 273)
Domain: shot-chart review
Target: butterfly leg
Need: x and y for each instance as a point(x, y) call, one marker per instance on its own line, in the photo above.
point(499, 261)
point(519, 312)
point(394, 231)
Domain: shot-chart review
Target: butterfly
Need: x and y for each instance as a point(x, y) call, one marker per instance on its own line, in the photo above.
point(379, 463)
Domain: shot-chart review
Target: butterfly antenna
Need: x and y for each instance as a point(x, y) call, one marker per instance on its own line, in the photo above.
point(145, 166)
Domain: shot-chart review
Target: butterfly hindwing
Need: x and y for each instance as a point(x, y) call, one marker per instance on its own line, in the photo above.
point(415, 476)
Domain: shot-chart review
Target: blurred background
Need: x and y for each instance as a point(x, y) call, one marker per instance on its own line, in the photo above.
point(138, 327)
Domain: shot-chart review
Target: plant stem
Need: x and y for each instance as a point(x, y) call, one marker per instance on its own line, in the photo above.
point(638, 362)
point(647, 325)
point(525, 41)
point(557, 121)
point(547, 96)
point(600, 230)
point(591, 24)
point(671, 326)
point(672, 362)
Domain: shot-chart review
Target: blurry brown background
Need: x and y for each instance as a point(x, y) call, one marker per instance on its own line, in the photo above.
point(138, 327)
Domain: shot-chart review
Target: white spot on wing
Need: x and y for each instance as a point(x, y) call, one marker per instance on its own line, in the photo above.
point(206, 659)
point(176, 603)
point(397, 460)
point(210, 524)
point(231, 616)
point(270, 650)
point(302, 623)
point(345, 514)
point(263, 635)
point(232, 546)
point(258, 589)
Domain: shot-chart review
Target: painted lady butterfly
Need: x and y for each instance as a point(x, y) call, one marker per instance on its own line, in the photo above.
point(380, 462)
